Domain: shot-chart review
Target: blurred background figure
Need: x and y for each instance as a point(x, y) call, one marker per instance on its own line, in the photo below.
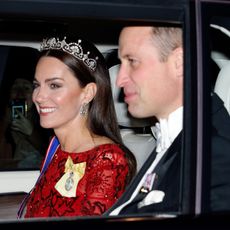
point(24, 128)
point(22, 140)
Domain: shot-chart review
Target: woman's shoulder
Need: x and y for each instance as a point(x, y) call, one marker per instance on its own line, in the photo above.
point(111, 148)
point(111, 151)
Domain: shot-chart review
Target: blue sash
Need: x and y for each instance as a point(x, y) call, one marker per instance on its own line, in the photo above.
point(54, 143)
point(53, 146)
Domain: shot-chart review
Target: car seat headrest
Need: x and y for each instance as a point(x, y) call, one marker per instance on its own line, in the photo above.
point(222, 84)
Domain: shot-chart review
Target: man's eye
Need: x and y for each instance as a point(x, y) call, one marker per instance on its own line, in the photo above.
point(132, 62)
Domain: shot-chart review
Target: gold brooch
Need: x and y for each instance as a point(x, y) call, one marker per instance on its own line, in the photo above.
point(67, 185)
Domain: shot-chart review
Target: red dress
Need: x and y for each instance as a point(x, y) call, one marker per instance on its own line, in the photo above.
point(102, 183)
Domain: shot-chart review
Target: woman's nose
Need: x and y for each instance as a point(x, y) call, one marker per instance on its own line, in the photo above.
point(39, 95)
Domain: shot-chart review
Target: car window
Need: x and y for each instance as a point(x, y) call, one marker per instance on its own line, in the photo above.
point(205, 29)
point(102, 32)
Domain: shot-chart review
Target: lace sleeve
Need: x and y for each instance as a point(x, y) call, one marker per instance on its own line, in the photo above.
point(105, 181)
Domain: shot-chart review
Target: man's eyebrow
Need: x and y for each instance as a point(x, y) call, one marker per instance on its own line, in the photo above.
point(125, 56)
point(122, 56)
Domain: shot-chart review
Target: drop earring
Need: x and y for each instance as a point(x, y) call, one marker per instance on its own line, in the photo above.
point(84, 109)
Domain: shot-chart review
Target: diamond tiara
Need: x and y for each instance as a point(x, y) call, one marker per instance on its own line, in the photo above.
point(72, 48)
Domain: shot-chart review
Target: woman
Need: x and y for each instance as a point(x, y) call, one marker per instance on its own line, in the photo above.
point(91, 167)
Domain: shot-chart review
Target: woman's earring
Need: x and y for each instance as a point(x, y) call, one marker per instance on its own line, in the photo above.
point(84, 109)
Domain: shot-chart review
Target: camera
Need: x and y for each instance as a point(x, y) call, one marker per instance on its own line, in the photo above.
point(18, 105)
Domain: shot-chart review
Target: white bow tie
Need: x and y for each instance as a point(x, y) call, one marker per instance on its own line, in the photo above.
point(161, 133)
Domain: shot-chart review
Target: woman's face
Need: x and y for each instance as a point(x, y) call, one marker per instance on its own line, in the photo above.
point(57, 94)
point(22, 89)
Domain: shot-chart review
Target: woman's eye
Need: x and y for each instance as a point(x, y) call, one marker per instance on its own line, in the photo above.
point(54, 86)
point(35, 85)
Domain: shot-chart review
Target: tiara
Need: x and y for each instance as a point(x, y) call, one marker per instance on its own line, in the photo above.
point(72, 48)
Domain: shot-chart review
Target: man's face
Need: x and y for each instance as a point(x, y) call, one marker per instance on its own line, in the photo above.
point(151, 87)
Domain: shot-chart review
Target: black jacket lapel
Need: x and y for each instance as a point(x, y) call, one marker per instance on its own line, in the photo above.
point(131, 188)
point(166, 161)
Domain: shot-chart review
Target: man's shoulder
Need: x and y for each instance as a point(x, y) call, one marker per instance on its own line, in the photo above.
point(220, 117)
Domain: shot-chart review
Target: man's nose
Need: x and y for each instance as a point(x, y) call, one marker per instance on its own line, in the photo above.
point(122, 76)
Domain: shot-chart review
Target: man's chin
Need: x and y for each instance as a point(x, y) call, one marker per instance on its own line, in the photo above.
point(135, 112)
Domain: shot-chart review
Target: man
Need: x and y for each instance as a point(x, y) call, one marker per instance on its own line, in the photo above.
point(151, 75)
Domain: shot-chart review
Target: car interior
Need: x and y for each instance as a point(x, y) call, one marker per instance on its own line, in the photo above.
point(20, 39)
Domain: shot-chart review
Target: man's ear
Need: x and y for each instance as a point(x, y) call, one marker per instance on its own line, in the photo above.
point(178, 52)
point(90, 91)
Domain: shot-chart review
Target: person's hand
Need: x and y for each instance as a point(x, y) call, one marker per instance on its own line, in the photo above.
point(22, 124)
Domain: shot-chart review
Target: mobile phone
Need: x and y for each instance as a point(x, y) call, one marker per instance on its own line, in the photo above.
point(18, 105)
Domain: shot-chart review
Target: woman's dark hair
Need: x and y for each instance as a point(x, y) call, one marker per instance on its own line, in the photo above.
point(102, 118)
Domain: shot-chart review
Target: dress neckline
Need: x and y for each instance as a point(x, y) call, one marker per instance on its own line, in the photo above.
point(89, 150)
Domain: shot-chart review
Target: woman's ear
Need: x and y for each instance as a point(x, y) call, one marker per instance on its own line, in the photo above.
point(90, 91)
point(178, 52)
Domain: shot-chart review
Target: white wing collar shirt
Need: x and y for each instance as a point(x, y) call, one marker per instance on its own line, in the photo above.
point(165, 131)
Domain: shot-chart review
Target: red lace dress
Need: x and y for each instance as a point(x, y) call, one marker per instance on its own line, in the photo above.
point(102, 183)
